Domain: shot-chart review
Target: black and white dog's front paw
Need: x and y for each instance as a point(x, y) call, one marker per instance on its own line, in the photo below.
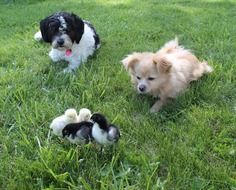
point(68, 70)
point(55, 55)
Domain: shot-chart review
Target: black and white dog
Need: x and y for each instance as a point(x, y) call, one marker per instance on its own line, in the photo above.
point(72, 38)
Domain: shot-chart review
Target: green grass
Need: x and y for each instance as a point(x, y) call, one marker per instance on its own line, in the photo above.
point(190, 144)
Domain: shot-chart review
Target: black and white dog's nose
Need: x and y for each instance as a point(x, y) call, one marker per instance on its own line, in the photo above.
point(60, 41)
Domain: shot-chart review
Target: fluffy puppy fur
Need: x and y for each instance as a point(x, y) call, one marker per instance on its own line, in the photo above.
point(166, 73)
point(72, 38)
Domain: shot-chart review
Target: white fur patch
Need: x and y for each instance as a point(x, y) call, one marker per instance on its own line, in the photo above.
point(63, 24)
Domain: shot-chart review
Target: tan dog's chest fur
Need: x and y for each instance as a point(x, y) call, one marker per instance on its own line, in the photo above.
point(166, 73)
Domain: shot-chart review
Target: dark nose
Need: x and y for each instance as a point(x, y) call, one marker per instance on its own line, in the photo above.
point(142, 88)
point(60, 41)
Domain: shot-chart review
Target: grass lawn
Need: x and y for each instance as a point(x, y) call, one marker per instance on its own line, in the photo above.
point(190, 144)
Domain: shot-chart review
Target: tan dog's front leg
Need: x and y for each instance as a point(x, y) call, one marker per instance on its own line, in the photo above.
point(158, 104)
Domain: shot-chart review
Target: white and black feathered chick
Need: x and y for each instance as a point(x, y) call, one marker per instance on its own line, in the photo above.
point(102, 132)
point(84, 115)
point(60, 122)
point(78, 133)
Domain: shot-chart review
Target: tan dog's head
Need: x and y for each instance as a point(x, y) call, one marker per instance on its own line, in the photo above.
point(147, 70)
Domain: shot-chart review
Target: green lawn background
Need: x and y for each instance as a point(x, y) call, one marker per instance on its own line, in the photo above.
point(190, 144)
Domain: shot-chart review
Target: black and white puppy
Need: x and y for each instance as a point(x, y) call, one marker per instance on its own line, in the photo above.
point(72, 38)
point(78, 133)
point(102, 132)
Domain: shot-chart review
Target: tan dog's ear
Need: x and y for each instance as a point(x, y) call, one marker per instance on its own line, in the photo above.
point(130, 61)
point(162, 64)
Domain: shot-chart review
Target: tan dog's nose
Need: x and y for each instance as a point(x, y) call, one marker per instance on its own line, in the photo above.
point(142, 88)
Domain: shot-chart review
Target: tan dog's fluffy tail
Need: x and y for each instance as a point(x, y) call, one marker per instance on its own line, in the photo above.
point(203, 68)
point(207, 68)
point(170, 46)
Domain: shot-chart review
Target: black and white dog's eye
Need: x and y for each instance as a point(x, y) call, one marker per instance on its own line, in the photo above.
point(151, 78)
point(138, 77)
point(53, 25)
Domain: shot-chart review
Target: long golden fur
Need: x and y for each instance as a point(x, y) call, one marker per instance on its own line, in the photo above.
point(166, 73)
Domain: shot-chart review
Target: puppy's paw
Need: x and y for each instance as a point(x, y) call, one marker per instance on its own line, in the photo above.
point(154, 109)
point(56, 55)
point(157, 106)
point(67, 70)
point(53, 57)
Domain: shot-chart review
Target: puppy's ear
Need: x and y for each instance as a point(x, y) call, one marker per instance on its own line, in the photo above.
point(130, 61)
point(78, 26)
point(162, 64)
point(44, 29)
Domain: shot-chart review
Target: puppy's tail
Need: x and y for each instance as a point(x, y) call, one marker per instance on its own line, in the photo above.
point(170, 46)
point(202, 69)
point(38, 36)
point(207, 68)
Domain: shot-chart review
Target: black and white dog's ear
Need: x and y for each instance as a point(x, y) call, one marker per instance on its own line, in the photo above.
point(44, 29)
point(78, 26)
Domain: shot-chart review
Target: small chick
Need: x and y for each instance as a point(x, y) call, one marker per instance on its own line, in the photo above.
point(102, 132)
point(60, 122)
point(78, 133)
point(84, 115)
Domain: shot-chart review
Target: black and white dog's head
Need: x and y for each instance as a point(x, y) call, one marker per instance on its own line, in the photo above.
point(62, 29)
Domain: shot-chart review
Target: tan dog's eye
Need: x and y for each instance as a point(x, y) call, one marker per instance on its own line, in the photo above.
point(151, 78)
point(138, 77)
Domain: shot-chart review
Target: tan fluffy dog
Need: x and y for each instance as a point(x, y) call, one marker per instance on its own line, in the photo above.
point(166, 73)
